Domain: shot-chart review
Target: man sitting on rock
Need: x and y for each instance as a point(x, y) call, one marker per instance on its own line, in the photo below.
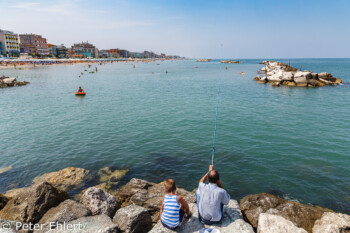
point(211, 198)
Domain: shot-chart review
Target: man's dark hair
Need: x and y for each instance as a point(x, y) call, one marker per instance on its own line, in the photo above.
point(213, 176)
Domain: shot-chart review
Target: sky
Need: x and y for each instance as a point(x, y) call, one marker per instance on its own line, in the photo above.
point(190, 28)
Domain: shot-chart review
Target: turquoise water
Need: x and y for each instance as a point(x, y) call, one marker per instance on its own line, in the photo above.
point(289, 141)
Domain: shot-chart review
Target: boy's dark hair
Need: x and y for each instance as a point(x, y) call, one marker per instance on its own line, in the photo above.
point(213, 176)
point(170, 185)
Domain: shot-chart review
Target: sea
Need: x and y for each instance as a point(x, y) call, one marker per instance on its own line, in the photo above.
point(157, 119)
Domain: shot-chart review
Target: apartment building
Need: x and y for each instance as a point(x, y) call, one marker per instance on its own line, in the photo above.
point(9, 43)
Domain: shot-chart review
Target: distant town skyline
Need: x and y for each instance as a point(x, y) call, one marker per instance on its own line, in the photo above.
point(201, 29)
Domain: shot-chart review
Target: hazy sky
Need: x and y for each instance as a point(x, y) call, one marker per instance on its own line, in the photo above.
point(192, 28)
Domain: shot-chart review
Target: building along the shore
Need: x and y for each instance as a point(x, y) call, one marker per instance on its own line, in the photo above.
point(59, 51)
point(39, 43)
point(135, 55)
point(147, 54)
point(10, 43)
point(85, 49)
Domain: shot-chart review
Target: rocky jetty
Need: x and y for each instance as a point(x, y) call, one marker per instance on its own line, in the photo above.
point(11, 82)
point(230, 61)
point(134, 208)
point(277, 73)
point(203, 60)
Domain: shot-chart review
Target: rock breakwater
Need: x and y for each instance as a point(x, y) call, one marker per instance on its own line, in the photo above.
point(134, 208)
point(230, 62)
point(11, 82)
point(203, 60)
point(277, 73)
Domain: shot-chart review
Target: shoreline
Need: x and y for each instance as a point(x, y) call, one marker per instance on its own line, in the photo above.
point(33, 63)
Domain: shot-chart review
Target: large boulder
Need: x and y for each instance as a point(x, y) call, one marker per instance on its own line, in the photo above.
point(32, 203)
point(67, 211)
point(300, 78)
point(133, 219)
point(14, 192)
point(263, 80)
point(91, 224)
point(303, 216)
point(288, 76)
point(67, 179)
point(291, 84)
point(332, 223)
point(9, 80)
point(3, 201)
point(148, 195)
point(314, 76)
point(100, 202)
point(327, 76)
point(315, 83)
point(269, 223)
point(232, 222)
point(277, 77)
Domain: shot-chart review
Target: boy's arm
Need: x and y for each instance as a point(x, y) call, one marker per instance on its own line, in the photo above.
point(185, 205)
point(161, 209)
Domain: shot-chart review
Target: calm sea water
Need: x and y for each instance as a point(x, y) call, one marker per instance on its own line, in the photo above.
point(289, 141)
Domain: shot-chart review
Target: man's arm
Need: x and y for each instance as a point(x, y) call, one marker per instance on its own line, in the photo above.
point(211, 167)
point(220, 184)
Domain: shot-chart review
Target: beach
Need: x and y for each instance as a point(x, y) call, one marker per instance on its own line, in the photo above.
point(32, 63)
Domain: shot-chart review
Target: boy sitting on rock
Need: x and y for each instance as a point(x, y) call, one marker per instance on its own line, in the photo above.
point(174, 207)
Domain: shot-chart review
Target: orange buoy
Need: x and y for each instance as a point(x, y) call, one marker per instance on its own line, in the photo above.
point(80, 93)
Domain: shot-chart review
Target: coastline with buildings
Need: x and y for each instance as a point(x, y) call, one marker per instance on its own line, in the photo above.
point(33, 46)
point(32, 63)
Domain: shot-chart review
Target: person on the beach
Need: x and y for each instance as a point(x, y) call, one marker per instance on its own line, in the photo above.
point(80, 90)
point(174, 208)
point(211, 198)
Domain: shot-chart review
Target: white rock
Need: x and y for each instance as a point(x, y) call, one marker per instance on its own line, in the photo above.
point(9, 80)
point(332, 223)
point(99, 202)
point(232, 223)
point(269, 223)
point(302, 77)
point(287, 76)
point(270, 73)
point(277, 77)
point(133, 219)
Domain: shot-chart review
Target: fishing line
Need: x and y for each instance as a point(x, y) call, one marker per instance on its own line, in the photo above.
point(216, 113)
